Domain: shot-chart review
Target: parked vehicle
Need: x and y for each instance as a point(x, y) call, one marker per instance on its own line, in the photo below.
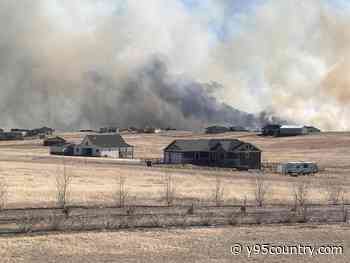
point(297, 168)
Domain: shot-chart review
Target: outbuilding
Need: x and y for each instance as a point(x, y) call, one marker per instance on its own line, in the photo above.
point(216, 129)
point(62, 149)
point(54, 141)
point(271, 130)
point(292, 130)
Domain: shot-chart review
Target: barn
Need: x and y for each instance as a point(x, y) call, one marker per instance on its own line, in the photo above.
point(230, 153)
point(105, 145)
point(292, 130)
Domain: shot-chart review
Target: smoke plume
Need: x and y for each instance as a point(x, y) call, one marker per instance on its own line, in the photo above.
point(79, 64)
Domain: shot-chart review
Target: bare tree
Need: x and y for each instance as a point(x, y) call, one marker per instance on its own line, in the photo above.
point(169, 189)
point(218, 192)
point(122, 193)
point(63, 183)
point(3, 193)
point(334, 190)
point(301, 190)
point(261, 190)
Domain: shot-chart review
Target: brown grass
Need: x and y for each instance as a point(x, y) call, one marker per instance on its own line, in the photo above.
point(190, 245)
point(30, 172)
point(30, 178)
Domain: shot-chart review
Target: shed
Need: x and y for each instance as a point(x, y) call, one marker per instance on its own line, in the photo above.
point(292, 130)
point(62, 149)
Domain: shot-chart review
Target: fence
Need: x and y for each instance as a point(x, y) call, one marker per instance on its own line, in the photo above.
point(96, 218)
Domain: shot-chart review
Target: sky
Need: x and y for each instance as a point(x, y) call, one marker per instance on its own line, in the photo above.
point(287, 57)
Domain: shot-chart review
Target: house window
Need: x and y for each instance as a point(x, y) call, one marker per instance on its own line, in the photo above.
point(188, 155)
point(232, 155)
point(197, 156)
point(204, 155)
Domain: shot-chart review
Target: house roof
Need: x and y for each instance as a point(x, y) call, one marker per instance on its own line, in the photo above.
point(107, 140)
point(292, 127)
point(204, 145)
point(57, 138)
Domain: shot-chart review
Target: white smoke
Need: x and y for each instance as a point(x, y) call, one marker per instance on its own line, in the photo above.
point(68, 63)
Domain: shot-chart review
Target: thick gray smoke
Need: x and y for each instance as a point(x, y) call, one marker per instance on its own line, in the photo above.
point(68, 79)
point(151, 96)
point(85, 63)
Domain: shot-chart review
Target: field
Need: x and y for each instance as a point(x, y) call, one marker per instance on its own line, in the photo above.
point(174, 245)
point(30, 172)
point(30, 175)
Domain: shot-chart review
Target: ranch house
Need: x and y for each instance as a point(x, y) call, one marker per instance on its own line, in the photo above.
point(214, 152)
point(104, 145)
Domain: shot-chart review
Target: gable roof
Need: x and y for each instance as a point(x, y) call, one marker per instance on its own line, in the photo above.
point(107, 140)
point(204, 145)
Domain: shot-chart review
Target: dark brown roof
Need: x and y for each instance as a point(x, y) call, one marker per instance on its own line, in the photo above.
point(204, 145)
point(57, 138)
point(107, 140)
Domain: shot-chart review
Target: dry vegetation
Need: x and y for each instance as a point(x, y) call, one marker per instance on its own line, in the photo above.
point(31, 178)
point(31, 174)
point(174, 245)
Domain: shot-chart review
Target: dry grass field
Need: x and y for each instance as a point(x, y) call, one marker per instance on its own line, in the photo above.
point(30, 175)
point(30, 171)
point(174, 245)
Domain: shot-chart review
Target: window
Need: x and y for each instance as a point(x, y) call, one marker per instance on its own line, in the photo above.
point(204, 155)
point(232, 155)
point(97, 150)
point(188, 155)
point(197, 156)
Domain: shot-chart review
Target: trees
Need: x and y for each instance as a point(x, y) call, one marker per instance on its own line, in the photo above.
point(261, 189)
point(218, 192)
point(300, 192)
point(3, 193)
point(334, 190)
point(169, 190)
point(63, 184)
point(122, 193)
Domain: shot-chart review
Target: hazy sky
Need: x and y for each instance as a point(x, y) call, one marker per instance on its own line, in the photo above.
point(287, 56)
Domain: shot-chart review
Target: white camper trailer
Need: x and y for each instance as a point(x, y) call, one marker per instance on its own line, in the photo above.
point(297, 168)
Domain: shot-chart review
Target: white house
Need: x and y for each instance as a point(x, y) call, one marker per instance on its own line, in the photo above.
point(104, 145)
